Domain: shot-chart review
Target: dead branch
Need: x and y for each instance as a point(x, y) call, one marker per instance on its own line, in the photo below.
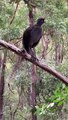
point(14, 13)
point(46, 68)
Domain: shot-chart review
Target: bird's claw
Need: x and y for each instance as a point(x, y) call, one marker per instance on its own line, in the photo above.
point(34, 58)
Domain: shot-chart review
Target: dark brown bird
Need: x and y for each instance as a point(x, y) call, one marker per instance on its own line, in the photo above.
point(32, 35)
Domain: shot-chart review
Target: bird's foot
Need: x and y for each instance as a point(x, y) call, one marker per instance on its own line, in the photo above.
point(34, 58)
point(23, 51)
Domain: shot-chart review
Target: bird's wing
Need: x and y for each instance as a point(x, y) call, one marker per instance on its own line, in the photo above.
point(26, 38)
point(36, 34)
point(27, 33)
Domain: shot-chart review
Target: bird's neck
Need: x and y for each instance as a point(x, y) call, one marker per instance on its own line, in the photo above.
point(38, 25)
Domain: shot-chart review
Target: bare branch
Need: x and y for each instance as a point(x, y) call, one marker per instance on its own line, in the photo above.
point(16, 50)
point(14, 13)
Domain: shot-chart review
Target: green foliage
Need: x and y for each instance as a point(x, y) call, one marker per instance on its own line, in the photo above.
point(60, 95)
point(46, 112)
point(51, 94)
point(55, 102)
point(11, 31)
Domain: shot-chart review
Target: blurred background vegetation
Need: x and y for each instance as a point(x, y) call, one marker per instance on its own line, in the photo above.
point(51, 93)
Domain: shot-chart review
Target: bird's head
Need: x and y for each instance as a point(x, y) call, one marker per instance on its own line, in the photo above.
point(40, 21)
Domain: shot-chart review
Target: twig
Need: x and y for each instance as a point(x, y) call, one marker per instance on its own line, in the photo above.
point(15, 38)
point(17, 42)
point(14, 14)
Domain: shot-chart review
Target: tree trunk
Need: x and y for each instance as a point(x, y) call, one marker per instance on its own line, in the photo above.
point(2, 76)
point(45, 43)
point(58, 53)
point(33, 92)
point(33, 86)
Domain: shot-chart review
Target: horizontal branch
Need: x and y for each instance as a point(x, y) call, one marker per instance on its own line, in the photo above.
point(18, 51)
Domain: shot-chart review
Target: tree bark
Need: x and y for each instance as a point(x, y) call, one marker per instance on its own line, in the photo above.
point(2, 83)
point(45, 43)
point(33, 92)
point(33, 74)
point(58, 53)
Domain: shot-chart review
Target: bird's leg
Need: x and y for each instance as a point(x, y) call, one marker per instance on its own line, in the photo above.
point(24, 52)
point(33, 55)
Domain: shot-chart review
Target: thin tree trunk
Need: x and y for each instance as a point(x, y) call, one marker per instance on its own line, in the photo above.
point(58, 53)
point(2, 76)
point(34, 78)
point(45, 43)
point(33, 92)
